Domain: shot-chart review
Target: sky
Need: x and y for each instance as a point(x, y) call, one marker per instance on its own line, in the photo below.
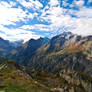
point(26, 19)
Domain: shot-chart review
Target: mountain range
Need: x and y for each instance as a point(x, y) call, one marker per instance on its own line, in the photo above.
point(63, 51)
point(65, 57)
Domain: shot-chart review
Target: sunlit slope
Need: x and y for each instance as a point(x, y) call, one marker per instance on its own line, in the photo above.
point(17, 78)
point(63, 51)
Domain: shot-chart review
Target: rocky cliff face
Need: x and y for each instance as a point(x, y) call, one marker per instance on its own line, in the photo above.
point(78, 79)
point(65, 51)
point(17, 78)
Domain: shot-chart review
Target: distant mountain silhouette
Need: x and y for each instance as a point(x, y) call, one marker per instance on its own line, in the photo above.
point(5, 47)
point(27, 48)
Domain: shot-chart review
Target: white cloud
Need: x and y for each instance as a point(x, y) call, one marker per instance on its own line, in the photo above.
point(31, 4)
point(9, 15)
point(27, 27)
point(89, 1)
point(8, 5)
point(5, 4)
point(84, 12)
point(78, 3)
point(64, 3)
point(60, 20)
point(83, 27)
point(16, 34)
point(54, 14)
point(53, 11)
point(54, 3)
point(39, 27)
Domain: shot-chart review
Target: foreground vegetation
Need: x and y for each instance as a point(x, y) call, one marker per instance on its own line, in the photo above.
point(17, 78)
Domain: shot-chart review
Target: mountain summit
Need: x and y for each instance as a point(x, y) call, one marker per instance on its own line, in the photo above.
point(28, 48)
point(64, 51)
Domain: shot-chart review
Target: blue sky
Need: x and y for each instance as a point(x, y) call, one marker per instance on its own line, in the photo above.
point(26, 19)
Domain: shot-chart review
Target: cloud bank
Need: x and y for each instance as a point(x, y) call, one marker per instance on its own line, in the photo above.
point(25, 19)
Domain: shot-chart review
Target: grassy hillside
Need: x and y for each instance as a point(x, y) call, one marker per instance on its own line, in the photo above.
point(17, 78)
point(13, 79)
